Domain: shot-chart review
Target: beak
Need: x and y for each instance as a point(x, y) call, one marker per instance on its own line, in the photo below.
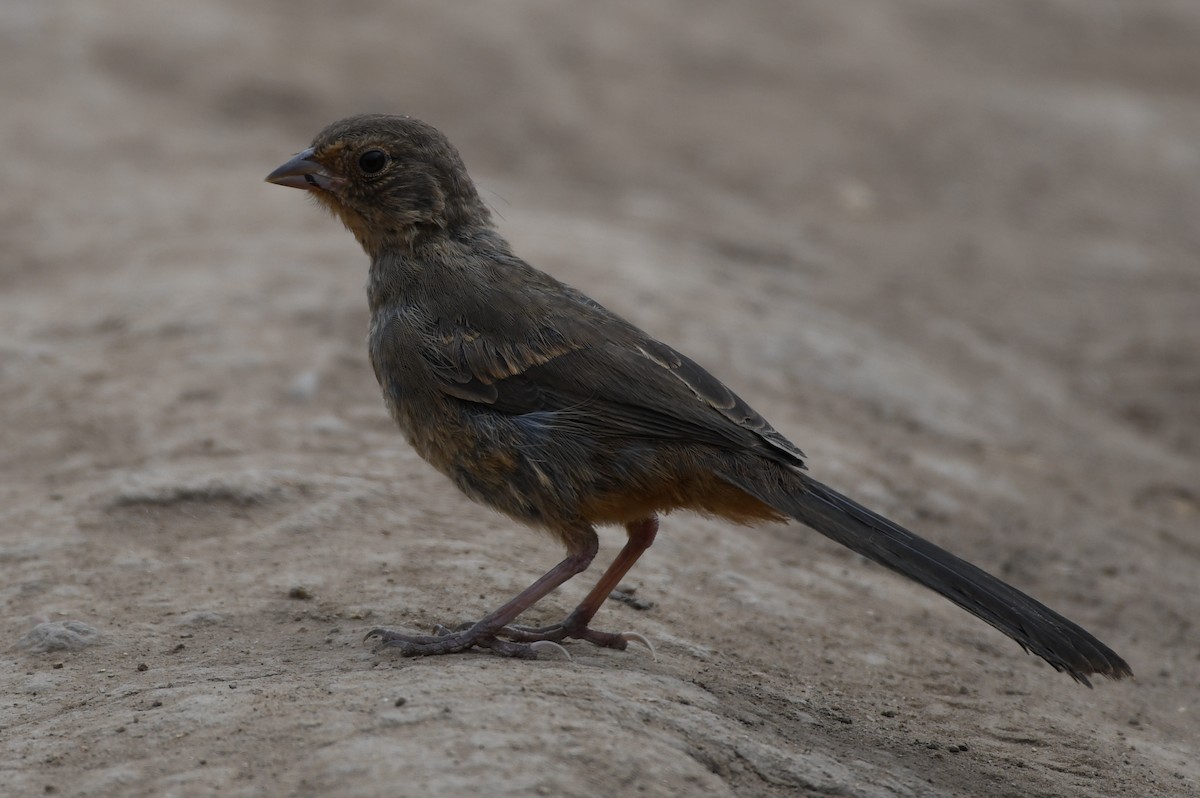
point(304, 172)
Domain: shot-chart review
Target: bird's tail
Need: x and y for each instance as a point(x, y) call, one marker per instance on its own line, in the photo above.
point(1037, 628)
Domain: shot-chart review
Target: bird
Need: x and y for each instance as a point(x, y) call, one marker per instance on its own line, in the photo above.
point(539, 402)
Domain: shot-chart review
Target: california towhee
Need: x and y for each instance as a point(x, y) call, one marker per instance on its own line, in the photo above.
point(538, 401)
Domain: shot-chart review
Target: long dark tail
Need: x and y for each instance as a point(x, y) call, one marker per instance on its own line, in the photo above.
point(1037, 628)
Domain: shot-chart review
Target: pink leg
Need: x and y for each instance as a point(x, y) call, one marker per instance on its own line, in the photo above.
point(483, 633)
point(641, 535)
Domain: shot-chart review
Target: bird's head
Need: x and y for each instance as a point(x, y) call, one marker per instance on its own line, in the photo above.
point(390, 179)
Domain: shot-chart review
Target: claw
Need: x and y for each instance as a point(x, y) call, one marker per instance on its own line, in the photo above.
point(634, 637)
point(539, 646)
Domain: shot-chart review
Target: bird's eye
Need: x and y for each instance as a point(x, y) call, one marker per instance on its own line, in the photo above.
point(372, 161)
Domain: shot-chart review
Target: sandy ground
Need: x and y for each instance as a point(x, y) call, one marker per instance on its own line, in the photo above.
point(948, 248)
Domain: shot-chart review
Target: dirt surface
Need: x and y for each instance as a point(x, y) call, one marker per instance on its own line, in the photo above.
point(950, 249)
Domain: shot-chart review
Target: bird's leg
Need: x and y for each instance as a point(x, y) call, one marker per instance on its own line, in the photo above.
point(483, 632)
point(641, 535)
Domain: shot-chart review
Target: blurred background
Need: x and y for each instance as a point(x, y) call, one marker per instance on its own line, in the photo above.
point(1031, 168)
point(948, 247)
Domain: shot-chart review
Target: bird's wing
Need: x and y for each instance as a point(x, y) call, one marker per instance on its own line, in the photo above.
point(608, 374)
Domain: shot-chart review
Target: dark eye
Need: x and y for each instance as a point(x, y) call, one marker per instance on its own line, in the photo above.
point(372, 161)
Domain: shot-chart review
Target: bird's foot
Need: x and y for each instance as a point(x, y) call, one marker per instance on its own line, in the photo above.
point(523, 642)
point(569, 628)
point(447, 641)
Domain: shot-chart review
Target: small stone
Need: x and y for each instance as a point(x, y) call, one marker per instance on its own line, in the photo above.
point(59, 636)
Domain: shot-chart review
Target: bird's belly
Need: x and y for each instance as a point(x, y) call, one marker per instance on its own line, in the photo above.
point(547, 472)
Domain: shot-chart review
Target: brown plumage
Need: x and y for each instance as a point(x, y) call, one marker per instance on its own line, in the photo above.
point(537, 401)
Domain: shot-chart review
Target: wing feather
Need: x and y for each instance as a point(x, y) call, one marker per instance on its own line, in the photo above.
point(626, 385)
